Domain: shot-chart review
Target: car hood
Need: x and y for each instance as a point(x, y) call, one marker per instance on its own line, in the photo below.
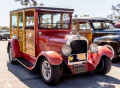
point(108, 37)
point(53, 40)
point(114, 30)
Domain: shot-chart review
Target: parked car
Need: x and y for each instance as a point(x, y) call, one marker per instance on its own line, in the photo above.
point(4, 35)
point(101, 30)
point(43, 42)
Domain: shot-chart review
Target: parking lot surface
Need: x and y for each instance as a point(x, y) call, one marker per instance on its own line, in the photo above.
point(16, 76)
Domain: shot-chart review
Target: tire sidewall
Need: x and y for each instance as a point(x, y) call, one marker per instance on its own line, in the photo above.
point(107, 66)
point(52, 80)
point(47, 81)
point(11, 59)
point(0, 37)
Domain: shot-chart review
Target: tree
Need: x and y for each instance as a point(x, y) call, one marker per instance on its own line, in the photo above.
point(85, 15)
point(116, 13)
point(5, 28)
point(27, 2)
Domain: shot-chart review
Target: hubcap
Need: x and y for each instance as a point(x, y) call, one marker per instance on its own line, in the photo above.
point(46, 70)
point(11, 54)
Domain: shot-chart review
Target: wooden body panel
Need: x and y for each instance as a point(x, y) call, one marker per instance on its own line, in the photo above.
point(13, 32)
point(26, 37)
point(29, 42)
point(20, 39)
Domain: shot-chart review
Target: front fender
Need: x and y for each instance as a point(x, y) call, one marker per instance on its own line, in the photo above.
point(15, 48)
point(53, 57)
point(94, 59)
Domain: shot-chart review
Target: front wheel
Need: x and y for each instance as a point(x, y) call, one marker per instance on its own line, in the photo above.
point(50, 73)
point(104, 66)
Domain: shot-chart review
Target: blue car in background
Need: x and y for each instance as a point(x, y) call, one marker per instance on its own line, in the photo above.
point(4, 34)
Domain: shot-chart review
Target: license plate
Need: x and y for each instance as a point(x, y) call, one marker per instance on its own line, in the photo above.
point(81, 56)
point(79, 68)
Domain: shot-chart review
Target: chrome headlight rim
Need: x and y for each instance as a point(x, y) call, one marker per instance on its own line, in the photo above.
point(66, 50)
point(94, 48)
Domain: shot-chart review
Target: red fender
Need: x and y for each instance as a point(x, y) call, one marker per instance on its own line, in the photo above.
point(53, 57)
point(15, 48)
point(94, 59)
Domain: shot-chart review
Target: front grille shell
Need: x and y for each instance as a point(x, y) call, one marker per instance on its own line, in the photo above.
point(79, 44)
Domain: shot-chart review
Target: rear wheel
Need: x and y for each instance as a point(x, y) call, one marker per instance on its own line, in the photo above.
point(104, 66)
point(11, 59)
point(0, 37)
point(50, 73)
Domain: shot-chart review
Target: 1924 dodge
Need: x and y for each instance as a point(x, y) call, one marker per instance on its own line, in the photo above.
point(39, 38)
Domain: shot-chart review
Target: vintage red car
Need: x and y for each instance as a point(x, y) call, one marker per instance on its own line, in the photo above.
point(40, 39)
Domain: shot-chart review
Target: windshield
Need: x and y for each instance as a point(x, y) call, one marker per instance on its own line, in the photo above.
point(49, 20)
point(101, 25)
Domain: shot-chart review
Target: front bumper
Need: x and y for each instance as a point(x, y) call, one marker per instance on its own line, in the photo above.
point(82, 67)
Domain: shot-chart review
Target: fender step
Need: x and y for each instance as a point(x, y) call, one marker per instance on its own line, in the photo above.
point(24, 62)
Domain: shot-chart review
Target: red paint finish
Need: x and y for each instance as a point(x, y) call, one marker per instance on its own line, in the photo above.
point(94, 59)
point(15, 48)
point(49, 43)
point(53, 57)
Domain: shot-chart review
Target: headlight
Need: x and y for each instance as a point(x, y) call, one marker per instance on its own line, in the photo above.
point(94, 48)
point(66, 50)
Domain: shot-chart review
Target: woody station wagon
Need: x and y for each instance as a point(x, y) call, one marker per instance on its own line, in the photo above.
point(99, 30)
point(41, 40)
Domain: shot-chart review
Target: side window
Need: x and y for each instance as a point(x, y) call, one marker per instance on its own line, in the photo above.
point(84, 26)
point(66, 24)
point(29, 20)
point(97, 25)
point(74, 25)
point(21, 20)
point(45, 21)
point(56, 20)
point(14, 20)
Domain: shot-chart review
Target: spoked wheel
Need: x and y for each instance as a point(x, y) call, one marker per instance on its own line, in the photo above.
point(50, 73)
point(104, 66)
point(11, 59)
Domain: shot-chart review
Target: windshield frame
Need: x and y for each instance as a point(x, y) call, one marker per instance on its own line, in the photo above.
point(52, 12)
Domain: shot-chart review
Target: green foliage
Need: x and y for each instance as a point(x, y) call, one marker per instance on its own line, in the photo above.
point(27, 2)
point(4, 28)
point(115, 15)
point(85, 15)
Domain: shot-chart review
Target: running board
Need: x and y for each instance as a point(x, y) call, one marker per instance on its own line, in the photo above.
point(25, 62)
